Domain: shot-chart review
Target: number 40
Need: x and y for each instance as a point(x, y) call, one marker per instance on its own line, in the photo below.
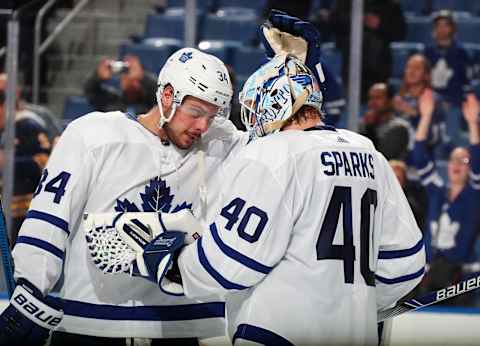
point(342, 200)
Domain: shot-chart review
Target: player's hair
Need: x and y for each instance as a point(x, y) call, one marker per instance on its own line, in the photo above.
point(303, 114)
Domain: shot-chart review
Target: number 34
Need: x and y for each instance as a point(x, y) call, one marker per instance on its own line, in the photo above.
point(55, 185)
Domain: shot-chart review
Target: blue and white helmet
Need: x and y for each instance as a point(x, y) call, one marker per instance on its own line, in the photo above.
point(275, 92)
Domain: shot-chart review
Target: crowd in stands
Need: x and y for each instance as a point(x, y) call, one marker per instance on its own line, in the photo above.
point(418, 101)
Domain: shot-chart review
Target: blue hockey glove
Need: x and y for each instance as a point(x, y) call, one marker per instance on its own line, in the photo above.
point(283, 34)
point(29, 317)
point(156, 261)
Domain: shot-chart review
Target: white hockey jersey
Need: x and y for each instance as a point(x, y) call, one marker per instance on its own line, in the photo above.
point(313, 237)
point(106, 162)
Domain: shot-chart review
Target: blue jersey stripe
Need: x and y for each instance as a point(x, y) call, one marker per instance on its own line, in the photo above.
point(399, 279)
point(144, 313)
point(213, 273)
point(237, 256)
point(51, 219)
point(259, 335)
point(42, 245)
point(401, 253)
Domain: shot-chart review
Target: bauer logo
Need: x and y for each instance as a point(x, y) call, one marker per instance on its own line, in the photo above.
point(459, 288)
point(35, 312)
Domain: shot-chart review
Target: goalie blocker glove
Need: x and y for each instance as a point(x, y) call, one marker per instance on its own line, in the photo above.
point(29, 317)
point(156, 262)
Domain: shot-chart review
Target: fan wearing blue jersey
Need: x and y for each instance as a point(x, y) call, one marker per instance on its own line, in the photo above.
point(453, 219)
point(314, 234)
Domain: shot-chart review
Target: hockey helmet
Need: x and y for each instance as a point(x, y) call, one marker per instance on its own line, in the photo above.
point(191, 72)
point(275, 92)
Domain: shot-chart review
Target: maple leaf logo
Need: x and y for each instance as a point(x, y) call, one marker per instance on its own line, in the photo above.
point(155, 198)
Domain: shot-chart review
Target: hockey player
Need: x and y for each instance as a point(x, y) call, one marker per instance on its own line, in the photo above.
point(165, 161)
point(314, 234)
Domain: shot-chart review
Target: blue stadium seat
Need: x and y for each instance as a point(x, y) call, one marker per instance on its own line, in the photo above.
point(332, 57)
point(201, 4)
point(453, 5)
point(241, 29)
point(160, 25)
point(247, 60)
point(413, 6)
point(224, 50)
point(401, 51)
point(151, 57)
point(257, 5)
point(173, 43)
point(419, 29)
point(76, 106)
point(468, 29)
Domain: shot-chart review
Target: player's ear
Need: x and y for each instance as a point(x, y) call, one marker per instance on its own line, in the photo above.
point(167, 96)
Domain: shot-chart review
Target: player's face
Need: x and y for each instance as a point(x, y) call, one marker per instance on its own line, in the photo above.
point(190, 121)
point(415, 71)
point(459, 166)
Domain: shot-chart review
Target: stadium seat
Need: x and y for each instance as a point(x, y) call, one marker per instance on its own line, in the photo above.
point(468, 29)
point(160, 25)
point(419, 29)
point(453, 5)
point(257, 5)
point(201, 4)
point(76, 106)
point(224, 50)
point(247, 60)
point(416, 7)
point(151, 57)
point(401, 51)
point(240, 28)
point(173, 43)
point(332, 57)
point(168, 25)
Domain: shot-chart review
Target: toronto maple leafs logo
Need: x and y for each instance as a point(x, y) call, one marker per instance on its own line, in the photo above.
point(155, 198)
point(185, 57)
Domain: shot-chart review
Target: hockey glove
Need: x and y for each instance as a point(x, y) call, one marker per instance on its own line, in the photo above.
point(283, 34)
point(29, 317)
point(117, 241)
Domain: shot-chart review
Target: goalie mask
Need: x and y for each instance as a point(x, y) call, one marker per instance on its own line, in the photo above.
point(191, 72)
point(275, 92)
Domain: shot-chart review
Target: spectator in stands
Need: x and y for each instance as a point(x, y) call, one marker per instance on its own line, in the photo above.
point(32, 148)
point(415, 193)
point(383, 23)
point(449, 60)
point(136, 94)
point(381, 124)
point(453, 209)
point(416, 81)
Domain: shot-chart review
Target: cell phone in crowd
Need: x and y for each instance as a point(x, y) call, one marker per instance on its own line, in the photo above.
point(118, 67)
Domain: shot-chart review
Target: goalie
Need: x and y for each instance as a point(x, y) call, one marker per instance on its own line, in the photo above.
point(313, 235)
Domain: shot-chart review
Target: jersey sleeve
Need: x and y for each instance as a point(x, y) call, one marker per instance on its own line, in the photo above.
point(54, 213)
point(401, 257)
point(425, 166)
point(475, 166)
point(247, 238)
